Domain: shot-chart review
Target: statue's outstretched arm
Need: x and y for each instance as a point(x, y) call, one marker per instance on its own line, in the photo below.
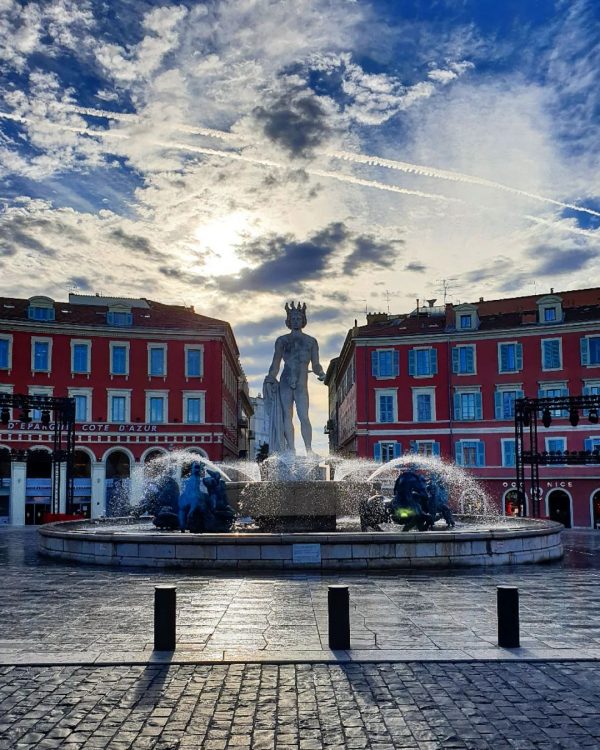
point(276, 363)
point(316, 365)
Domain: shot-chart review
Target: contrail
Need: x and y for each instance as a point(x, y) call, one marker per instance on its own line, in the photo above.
point(174, 145)
point(349, 156)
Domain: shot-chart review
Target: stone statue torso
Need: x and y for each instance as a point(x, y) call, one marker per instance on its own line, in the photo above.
point(296, 349)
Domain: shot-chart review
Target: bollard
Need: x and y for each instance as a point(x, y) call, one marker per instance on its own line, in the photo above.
point(508, 616)
point(338, 605)
point(165, 598)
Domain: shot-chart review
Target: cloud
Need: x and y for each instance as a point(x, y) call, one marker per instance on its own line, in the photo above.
point(369, 251)
point(134, 242)
point(415, 267)
point(555, 261)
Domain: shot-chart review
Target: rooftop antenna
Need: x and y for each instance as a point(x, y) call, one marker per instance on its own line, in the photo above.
point(445, 287)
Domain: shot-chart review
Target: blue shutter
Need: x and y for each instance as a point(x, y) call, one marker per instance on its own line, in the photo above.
point(375, 364)
point(459, 453)
point(480, 453)
point(412, 446)
point(436, 448)
point(470, 359)
point(564, 392)
point(397, 450)
point(503, 358)
point(457, 409)
point(587, 391)
point(498, 405)
point(588, 444)
point(519, 356)
point(478, 409)
point(377, 452)
point(396, 362)
point(433, 362)
point(412, 363)
point(541, 393)
point(455, 360)
point(584, 346)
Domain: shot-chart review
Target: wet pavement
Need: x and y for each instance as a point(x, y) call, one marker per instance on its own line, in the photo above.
point(252, 667)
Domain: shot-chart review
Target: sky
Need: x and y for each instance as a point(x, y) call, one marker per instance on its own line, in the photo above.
point(237, 154)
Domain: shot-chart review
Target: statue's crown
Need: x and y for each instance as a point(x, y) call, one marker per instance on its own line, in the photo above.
point(291, 307)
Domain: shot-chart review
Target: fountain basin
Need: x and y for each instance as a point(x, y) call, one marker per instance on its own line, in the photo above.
point(130, 544)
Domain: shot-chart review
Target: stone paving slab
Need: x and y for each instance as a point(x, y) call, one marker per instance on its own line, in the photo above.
point(410, 706)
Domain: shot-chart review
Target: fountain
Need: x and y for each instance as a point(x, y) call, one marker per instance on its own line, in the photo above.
point(304, 511)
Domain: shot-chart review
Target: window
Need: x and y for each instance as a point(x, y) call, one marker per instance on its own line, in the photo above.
point(466, 321)
point(386, 450)
point(40, 313)
point(119, 405)
point(386, 405)
point(467, 405)
point(40, 355)
point(425, 447)
point(509, 453)
point(119, 359)
point(156, 407)
point(550, 314)
point(554, 391)
point(422, 362)
point(551, 354)
point(119, 318)
point(41, 392)
point(556, 446)
point(157, 360)
point(193, 407)
point(504, 402)
point(510, 357)
point(193, 362)
point(81, 408)
point(423, 401)
point(590, 350)
point(385, 363)
point(470, 453)
point(5, 353)
point(80, 357)
point(592, 444)
point(463, 360)
point(591, 388)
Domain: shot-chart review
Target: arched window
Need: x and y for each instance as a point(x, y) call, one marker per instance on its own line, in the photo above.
point(559, 507)
point(118, 465)
point(39, 464)
point(82, 465)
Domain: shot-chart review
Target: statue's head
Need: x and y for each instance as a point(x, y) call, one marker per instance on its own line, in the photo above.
point(296, 316)
point(198, 469)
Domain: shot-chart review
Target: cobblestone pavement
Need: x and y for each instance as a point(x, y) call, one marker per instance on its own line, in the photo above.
point(515, 706)
point(86, 614)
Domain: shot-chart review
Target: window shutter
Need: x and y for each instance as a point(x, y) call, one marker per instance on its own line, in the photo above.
point(519, 356)
point(564, 392)
point(459, 452)
point(584, 345)
point(478, 409)
point(480, 453)
point(397, 450)
point(396, 362)
point(375, 364)
point(412, 364)
point(377, 452)
point(503, 358)
point(457, 409)
point(470, 359)
point(433, 362)
point(541, 393)
point(455, 359)
point(587, 391)
point(436, 448)
point(412, 446)
point(498, 404)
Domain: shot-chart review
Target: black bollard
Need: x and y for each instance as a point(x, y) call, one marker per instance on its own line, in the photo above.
point(165, 598)
point(338, 605)
point(508, 616)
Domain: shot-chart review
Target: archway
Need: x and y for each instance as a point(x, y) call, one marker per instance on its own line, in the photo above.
point(5, 474)
point(596, 509)
point(559, 507)
point(38, 489)
point(82, 483)
point(118, 472)
point(512, 505)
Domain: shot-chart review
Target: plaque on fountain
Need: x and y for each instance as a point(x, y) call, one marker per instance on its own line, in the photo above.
point(306, 553)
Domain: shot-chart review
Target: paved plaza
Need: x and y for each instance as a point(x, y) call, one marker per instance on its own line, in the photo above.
point(252, 667)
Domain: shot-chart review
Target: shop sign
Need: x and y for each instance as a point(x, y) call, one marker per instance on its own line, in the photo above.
point(85, 427)
point(549, 485)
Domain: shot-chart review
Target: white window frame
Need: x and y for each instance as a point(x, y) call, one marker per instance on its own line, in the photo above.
point(41, 340)
point(390, 444)
point(8, 337)
point(467, 346)
point(588, 337)
point(556, 437)
point(111, 346)
point(386, 349)
point(164, 394)
point(502, 442)
point(9, 389)
point(416, 349)
point(419, 443)
point(87, 392)
point(88, 343)
point(194, 347)
point(500, 345)
point(150, 347)
point(462, 315)
point(386, 392)
point(194, 394)
point(39, 390)
point(429, 391)
point(560, 353)
point(126, 392)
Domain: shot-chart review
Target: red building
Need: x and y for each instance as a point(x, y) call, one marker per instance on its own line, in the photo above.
point(443, 381)
point(146, 378)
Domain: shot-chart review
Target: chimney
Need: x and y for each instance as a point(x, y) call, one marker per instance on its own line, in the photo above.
point(376, 318)
point(481, 299)
point(431, 302)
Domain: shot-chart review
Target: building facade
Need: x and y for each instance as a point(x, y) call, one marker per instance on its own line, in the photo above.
point(444, 380)
point(259, 425)
point(147, 378)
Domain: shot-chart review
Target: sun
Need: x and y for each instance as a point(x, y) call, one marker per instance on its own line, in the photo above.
point(218, 241)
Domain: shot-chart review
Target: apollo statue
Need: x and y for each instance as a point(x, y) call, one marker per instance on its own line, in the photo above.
point(298, 351)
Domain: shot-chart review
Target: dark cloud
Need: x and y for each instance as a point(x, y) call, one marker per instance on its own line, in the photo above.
point(369, 251)
point(553, 261)
point(81, 282)
point(415, 267)
point(260, 327)
point(296, 121)
point(136, 243)
point(175, 273)
point(15, 236)
point(496, 269)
